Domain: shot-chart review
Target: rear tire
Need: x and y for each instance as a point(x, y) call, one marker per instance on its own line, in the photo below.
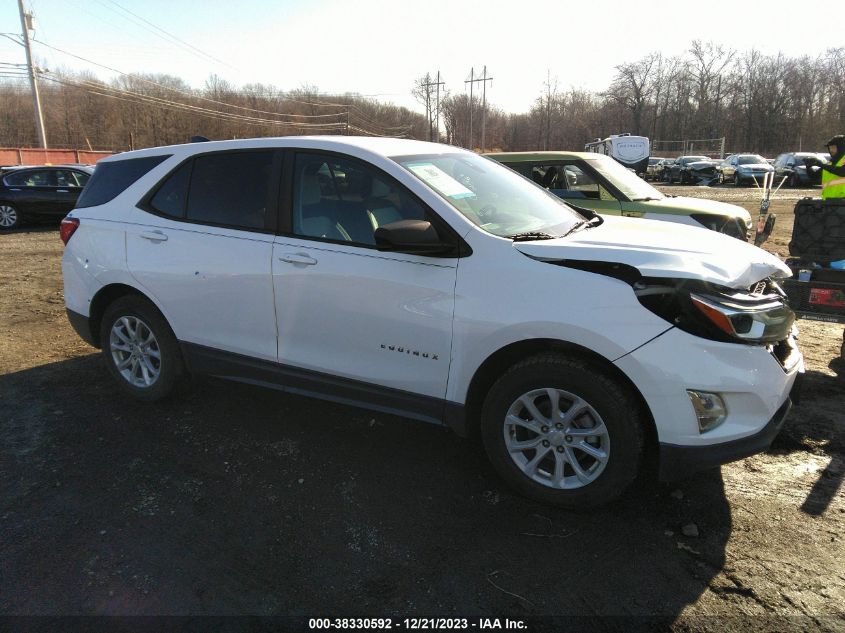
point(10, 218)
point(538, 418)
point(140, 350)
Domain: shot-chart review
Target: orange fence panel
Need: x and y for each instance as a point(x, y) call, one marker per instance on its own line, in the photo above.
point(34, 156)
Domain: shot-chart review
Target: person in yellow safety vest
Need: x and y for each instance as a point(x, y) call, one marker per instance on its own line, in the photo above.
point(833, 173)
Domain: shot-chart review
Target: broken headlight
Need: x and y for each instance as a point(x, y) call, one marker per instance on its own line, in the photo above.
point(756, 316)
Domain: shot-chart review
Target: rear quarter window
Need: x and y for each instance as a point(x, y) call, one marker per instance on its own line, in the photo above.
point(112, 178)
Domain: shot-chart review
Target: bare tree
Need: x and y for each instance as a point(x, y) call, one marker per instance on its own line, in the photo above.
point(632, 87)
point(426, 93)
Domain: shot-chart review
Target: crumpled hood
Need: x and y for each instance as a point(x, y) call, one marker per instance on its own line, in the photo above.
point(702, 164)
point(664, 249)
point(701, 205)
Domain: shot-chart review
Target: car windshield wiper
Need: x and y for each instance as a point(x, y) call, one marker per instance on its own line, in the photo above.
point(592, 222)
point(530, 236)
point(646, 199)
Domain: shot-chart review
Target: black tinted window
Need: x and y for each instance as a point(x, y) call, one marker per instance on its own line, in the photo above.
point(112, 178)
point(346, 200)
point(231, 189)
point(173, 193)
point(42, 178)
point(67, 178)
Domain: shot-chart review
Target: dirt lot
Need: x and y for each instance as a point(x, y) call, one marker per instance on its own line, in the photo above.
point(236, 500)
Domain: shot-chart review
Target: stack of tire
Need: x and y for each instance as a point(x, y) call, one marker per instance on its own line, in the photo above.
point(818, 246)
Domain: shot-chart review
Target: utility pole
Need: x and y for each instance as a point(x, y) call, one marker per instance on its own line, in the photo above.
point(471, 81)
point(484, 81)
point(26, 25)
point(427, 87)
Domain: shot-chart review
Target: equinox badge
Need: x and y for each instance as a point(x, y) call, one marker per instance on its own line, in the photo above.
point(409, 351)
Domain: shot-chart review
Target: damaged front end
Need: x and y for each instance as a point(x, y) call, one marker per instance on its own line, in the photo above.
point(758, 315)
point(754, 315)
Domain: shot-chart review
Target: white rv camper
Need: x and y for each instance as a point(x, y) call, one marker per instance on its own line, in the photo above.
point(631, 151)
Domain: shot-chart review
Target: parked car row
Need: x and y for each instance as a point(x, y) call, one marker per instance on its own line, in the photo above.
point(29, 194)
point(794, 169)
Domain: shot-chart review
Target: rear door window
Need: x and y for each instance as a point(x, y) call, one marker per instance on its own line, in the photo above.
point(67, 178)
point(172, 194)
point(231, 189)
point(112, 178)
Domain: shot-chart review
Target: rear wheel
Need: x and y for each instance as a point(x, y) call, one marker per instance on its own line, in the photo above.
point(9, 217)
point(562, 431)
point(139, 348)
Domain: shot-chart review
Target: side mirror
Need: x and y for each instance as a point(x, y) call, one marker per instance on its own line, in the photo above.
point(411, 236)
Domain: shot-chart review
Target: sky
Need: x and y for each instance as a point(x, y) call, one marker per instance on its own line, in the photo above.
point(379, 48)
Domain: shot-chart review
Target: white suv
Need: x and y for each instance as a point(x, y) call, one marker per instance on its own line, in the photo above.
point(430, 282)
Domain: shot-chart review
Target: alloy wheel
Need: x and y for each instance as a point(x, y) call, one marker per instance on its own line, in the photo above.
point(556, 438)
point(135, 351)
point(8, 216)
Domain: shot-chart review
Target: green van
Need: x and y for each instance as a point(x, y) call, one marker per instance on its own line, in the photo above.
point(599, 183)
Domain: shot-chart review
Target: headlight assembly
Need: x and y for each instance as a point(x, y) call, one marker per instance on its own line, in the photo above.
point(757, 317)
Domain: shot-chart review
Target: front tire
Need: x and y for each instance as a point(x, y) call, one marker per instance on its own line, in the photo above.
point(562, 431)
point(10, 218)
point(140, 350)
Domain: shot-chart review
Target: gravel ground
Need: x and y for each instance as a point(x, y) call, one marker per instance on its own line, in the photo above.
point(235, 500)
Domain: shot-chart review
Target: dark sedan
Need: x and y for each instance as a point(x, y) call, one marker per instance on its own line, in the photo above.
point(39, 193)
point(690, 170)
point(801, 169)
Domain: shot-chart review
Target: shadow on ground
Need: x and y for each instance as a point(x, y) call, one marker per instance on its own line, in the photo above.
point(231, 499)
point(815, 426)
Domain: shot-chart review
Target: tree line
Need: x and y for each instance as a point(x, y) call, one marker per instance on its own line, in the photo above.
point(759, 103)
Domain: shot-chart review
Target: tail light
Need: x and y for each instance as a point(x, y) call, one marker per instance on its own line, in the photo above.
point(68, 228)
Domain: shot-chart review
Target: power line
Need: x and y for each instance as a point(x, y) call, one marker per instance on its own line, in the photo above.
point(137, 98)
point(140, 97)
point(191, 94)
point(161, 33)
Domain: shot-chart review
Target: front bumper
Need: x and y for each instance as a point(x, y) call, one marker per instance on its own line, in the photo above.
point(677, 462)
point(755, 383)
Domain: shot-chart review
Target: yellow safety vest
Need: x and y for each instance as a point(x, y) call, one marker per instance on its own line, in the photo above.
point(833, 186)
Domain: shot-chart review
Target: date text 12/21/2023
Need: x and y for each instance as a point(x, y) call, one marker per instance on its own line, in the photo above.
point(416, 624)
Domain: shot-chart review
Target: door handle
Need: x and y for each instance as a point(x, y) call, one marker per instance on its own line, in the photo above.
point(154, 236)
point(298, 258)
point(61, 191)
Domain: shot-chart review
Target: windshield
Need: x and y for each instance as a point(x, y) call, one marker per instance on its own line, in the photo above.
point(491, 196)
point(693, 159)
point(632, 186)
point(750, 159)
